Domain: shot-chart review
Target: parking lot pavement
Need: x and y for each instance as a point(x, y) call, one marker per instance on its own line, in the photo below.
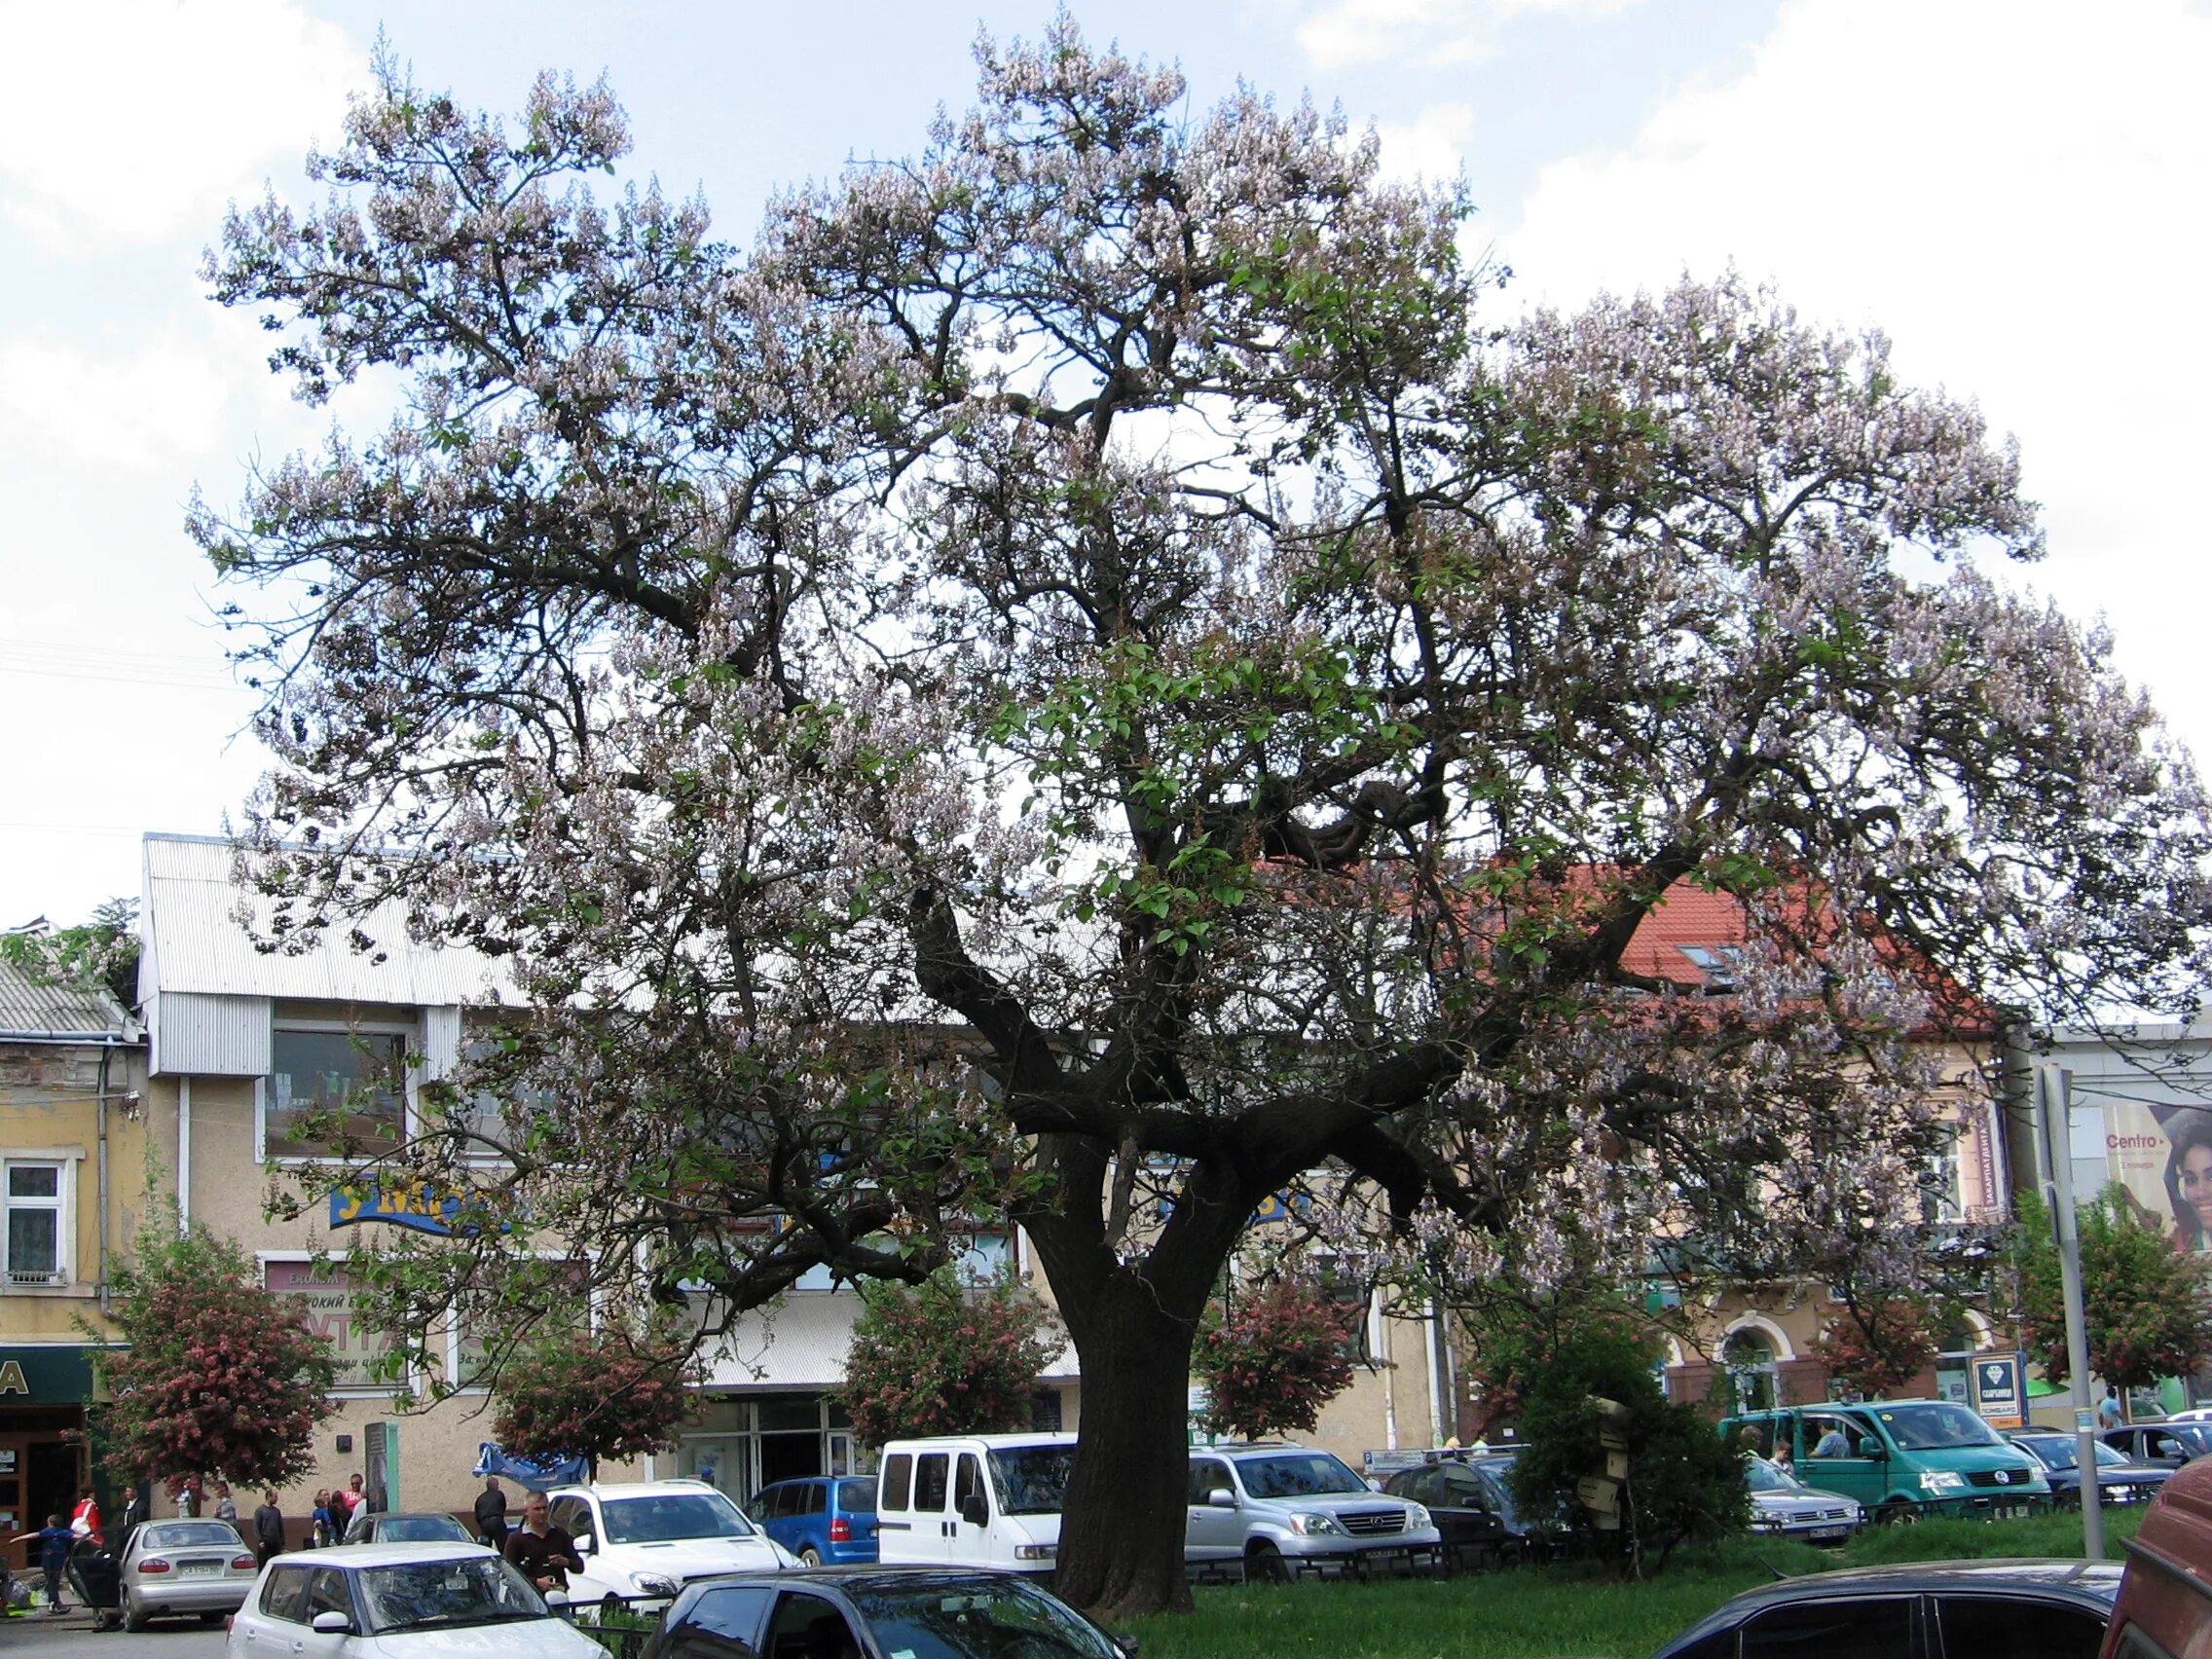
point(43, 1635)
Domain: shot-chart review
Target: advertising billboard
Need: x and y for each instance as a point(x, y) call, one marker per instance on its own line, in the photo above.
point(2160, 1155)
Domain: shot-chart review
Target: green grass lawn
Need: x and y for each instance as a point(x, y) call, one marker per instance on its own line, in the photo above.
point(1541, 1611)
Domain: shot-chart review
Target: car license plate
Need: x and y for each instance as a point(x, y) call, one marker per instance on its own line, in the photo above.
point(1827, 1532)
point(2012, 1511)
point(199, 1569)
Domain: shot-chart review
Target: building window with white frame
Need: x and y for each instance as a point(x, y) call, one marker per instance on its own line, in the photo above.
point(333, 1092)
point(37, 1239)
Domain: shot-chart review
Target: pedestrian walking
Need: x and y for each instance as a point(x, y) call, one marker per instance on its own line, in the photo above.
point(55, 1539)
point(225, 1508)
point(2110, 1413)
point(84, 1519)
point(267, 1529)
point(322, 1524)
point(491, 1513)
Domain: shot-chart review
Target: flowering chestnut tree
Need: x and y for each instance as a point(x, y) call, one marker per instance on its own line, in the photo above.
point(1881, 1341)
point(1077, 680)
point(591, 1397)
point(946, 1357)
point(1272, 1362)
point(216, 1376)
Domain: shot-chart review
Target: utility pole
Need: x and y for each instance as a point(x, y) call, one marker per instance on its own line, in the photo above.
point(2055, 1139)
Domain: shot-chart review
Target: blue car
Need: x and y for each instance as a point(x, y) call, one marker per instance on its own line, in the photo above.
point(825, 1519)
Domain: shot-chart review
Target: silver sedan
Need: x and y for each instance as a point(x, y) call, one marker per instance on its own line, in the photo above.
point(185, 1566)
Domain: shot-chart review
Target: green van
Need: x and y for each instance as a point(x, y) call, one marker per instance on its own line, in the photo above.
point(1901, 1458)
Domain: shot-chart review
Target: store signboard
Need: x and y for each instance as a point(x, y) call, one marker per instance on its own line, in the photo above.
point(325, 1304)
point(46, 1373)
point(1999, 1384)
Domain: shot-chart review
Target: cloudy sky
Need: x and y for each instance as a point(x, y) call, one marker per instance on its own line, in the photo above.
point(2014, 190)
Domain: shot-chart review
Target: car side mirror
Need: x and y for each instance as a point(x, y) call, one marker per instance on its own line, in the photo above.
point(1221, 1498)
point(332, 1624)
point(557, 1600)
point(583, 1543)
point(974, 1511)
point(1128, 1644)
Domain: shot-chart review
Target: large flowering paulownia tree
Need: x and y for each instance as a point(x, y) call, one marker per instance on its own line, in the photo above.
point(1077, 681)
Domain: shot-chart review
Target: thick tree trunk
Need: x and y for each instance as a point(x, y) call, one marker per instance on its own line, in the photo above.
point(1121, 1533)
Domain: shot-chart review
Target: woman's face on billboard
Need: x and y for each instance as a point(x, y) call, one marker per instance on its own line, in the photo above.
point(2196, 1184)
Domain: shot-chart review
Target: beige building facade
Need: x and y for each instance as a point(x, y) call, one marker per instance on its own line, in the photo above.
point(73, 1173)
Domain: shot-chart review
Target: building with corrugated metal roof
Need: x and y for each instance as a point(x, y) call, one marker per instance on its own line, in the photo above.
point(251, 1047)
point(72, 1174)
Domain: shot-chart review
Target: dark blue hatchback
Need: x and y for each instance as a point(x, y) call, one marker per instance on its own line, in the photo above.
point(825, 1520)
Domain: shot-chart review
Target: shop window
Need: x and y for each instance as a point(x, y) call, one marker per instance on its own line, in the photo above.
point(37, 1242)
point(332, 1093)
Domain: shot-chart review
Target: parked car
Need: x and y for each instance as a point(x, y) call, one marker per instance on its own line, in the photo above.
point(2119, 1479)
point(652, 1537)
point(1784, 1506)
point(401, 1601)
point(1474, 1509)
point(1900, 1459)
point(428, 1526)
point(824, 1518)
point(2169, 1442)
point(2021, 1609)
point(2165, 1596)
point(974, 1500)
point(198, 1568)
point(1282, 1510)
point(892, 1611)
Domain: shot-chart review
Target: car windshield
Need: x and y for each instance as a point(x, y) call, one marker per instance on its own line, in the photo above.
point(668, 1516)
point(1297, 1474)
point(191, 1535)
point(431, 1594)
point(857, 1497)
point(1935, 1428)
point(1766, 1475)
point(1031, 1480)
point(421, 1529)
point(2056, 1451)
point(978, 1619)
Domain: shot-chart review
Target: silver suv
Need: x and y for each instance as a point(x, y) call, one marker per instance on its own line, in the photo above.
point(1280, 1509)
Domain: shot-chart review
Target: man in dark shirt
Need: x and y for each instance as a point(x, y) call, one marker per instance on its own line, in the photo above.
point(491, 1513)
point(545, 1553)
point(267, 1529)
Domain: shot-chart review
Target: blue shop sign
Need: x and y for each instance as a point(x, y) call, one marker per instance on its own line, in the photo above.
point(420, 1204)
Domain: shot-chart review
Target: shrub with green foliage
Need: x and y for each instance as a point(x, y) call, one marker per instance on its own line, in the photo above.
point(1274, 1360)
point(946, 1357)
point(216, 1377)
point(1684, 1485)
point(1513, 1337)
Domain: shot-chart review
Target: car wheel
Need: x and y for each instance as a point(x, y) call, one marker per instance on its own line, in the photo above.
point(133, 1615)
point(810, 1556)
point(1898, 1513)
point(1264, 1564)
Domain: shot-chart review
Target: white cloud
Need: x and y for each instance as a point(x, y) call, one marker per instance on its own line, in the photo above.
point(1432, 147)
point(1435, 32)
point(2015, 193)
point(121, 124)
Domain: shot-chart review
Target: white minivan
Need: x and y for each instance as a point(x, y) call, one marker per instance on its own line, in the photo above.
point(990, 1500)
